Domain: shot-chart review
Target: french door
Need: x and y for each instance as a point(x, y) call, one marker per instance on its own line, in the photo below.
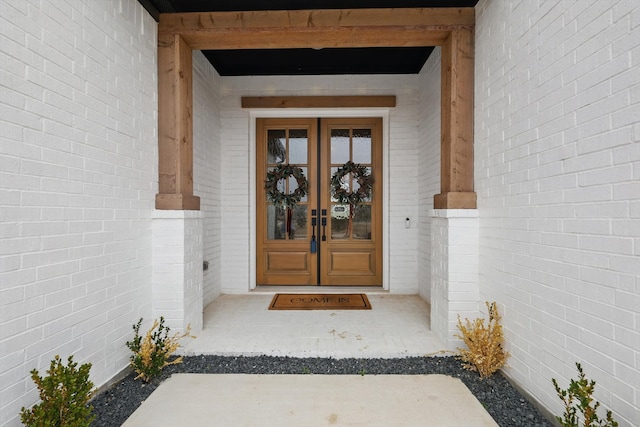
point(320, 239)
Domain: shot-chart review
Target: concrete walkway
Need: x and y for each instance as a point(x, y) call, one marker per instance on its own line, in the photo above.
point(396, 326)
point(311, 400)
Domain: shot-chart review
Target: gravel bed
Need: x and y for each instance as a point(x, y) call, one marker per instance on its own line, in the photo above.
point(505, 404)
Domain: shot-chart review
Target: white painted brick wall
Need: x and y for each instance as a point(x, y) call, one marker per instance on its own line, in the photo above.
point(403, 161)
point(429, 164)
point(403, 188)
point(557, 167)
point(177, 292)
point(454, 275)
point(78, 174)
point(207, 167)
point(193, 273)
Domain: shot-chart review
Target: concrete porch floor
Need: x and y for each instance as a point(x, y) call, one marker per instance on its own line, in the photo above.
point(396, 326)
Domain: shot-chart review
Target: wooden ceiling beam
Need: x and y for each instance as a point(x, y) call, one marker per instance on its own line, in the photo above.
point(191, 24)
point(317, 38)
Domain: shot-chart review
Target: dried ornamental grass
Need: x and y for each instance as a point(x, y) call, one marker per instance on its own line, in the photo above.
point(151, 353)
point(484, 352)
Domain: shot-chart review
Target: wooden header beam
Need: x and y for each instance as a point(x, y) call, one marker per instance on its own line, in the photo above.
point(316, 38)
point(187, 24)
point(316, 28)
point(178, 34)
point(318, 101)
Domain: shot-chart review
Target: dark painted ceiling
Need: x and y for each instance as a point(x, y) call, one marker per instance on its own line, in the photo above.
point(407, 60)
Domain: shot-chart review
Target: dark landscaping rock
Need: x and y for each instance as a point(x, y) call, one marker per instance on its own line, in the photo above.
point(505, 404)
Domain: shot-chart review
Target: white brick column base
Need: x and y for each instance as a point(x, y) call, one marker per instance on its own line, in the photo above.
point(454, 271)
point(177, 268)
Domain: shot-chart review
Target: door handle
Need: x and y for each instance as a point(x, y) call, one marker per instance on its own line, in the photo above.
point(314, 222)
point(324, 225)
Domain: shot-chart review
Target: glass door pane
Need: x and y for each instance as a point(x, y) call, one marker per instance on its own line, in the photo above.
point(287, 147)
point(350, 221)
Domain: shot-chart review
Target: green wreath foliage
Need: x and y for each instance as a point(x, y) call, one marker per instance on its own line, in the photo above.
point(280, 172)
point(363, 178)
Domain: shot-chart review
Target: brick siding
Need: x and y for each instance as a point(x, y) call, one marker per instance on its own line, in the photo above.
point(557, 168)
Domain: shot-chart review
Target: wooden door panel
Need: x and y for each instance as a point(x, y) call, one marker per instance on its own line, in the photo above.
point(287, 267)
point(352, 253)
point(351, 263)
point(284, 256)
point(348, 236)
point(286, 262)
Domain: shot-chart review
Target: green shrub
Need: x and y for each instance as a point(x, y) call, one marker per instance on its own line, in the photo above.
point(151, 353)
point(579, 404)
point(64, 396)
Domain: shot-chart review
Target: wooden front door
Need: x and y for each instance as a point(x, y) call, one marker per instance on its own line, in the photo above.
point(321, 239)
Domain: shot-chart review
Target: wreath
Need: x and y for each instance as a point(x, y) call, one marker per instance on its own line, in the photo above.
point(363, 178)
point(280, 172)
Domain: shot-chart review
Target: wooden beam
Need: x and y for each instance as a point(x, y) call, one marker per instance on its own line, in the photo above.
point(318, 101)
point(455, 200)
point(316, 28)
point(316, 38)
point(189, 23)
point(457, 122)
point(447, 27)
point(175, 125)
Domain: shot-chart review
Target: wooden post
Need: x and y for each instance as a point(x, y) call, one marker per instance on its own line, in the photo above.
point(175, 125)
point(456, 180)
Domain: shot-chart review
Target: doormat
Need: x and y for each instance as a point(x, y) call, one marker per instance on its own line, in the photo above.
point(320, 302)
